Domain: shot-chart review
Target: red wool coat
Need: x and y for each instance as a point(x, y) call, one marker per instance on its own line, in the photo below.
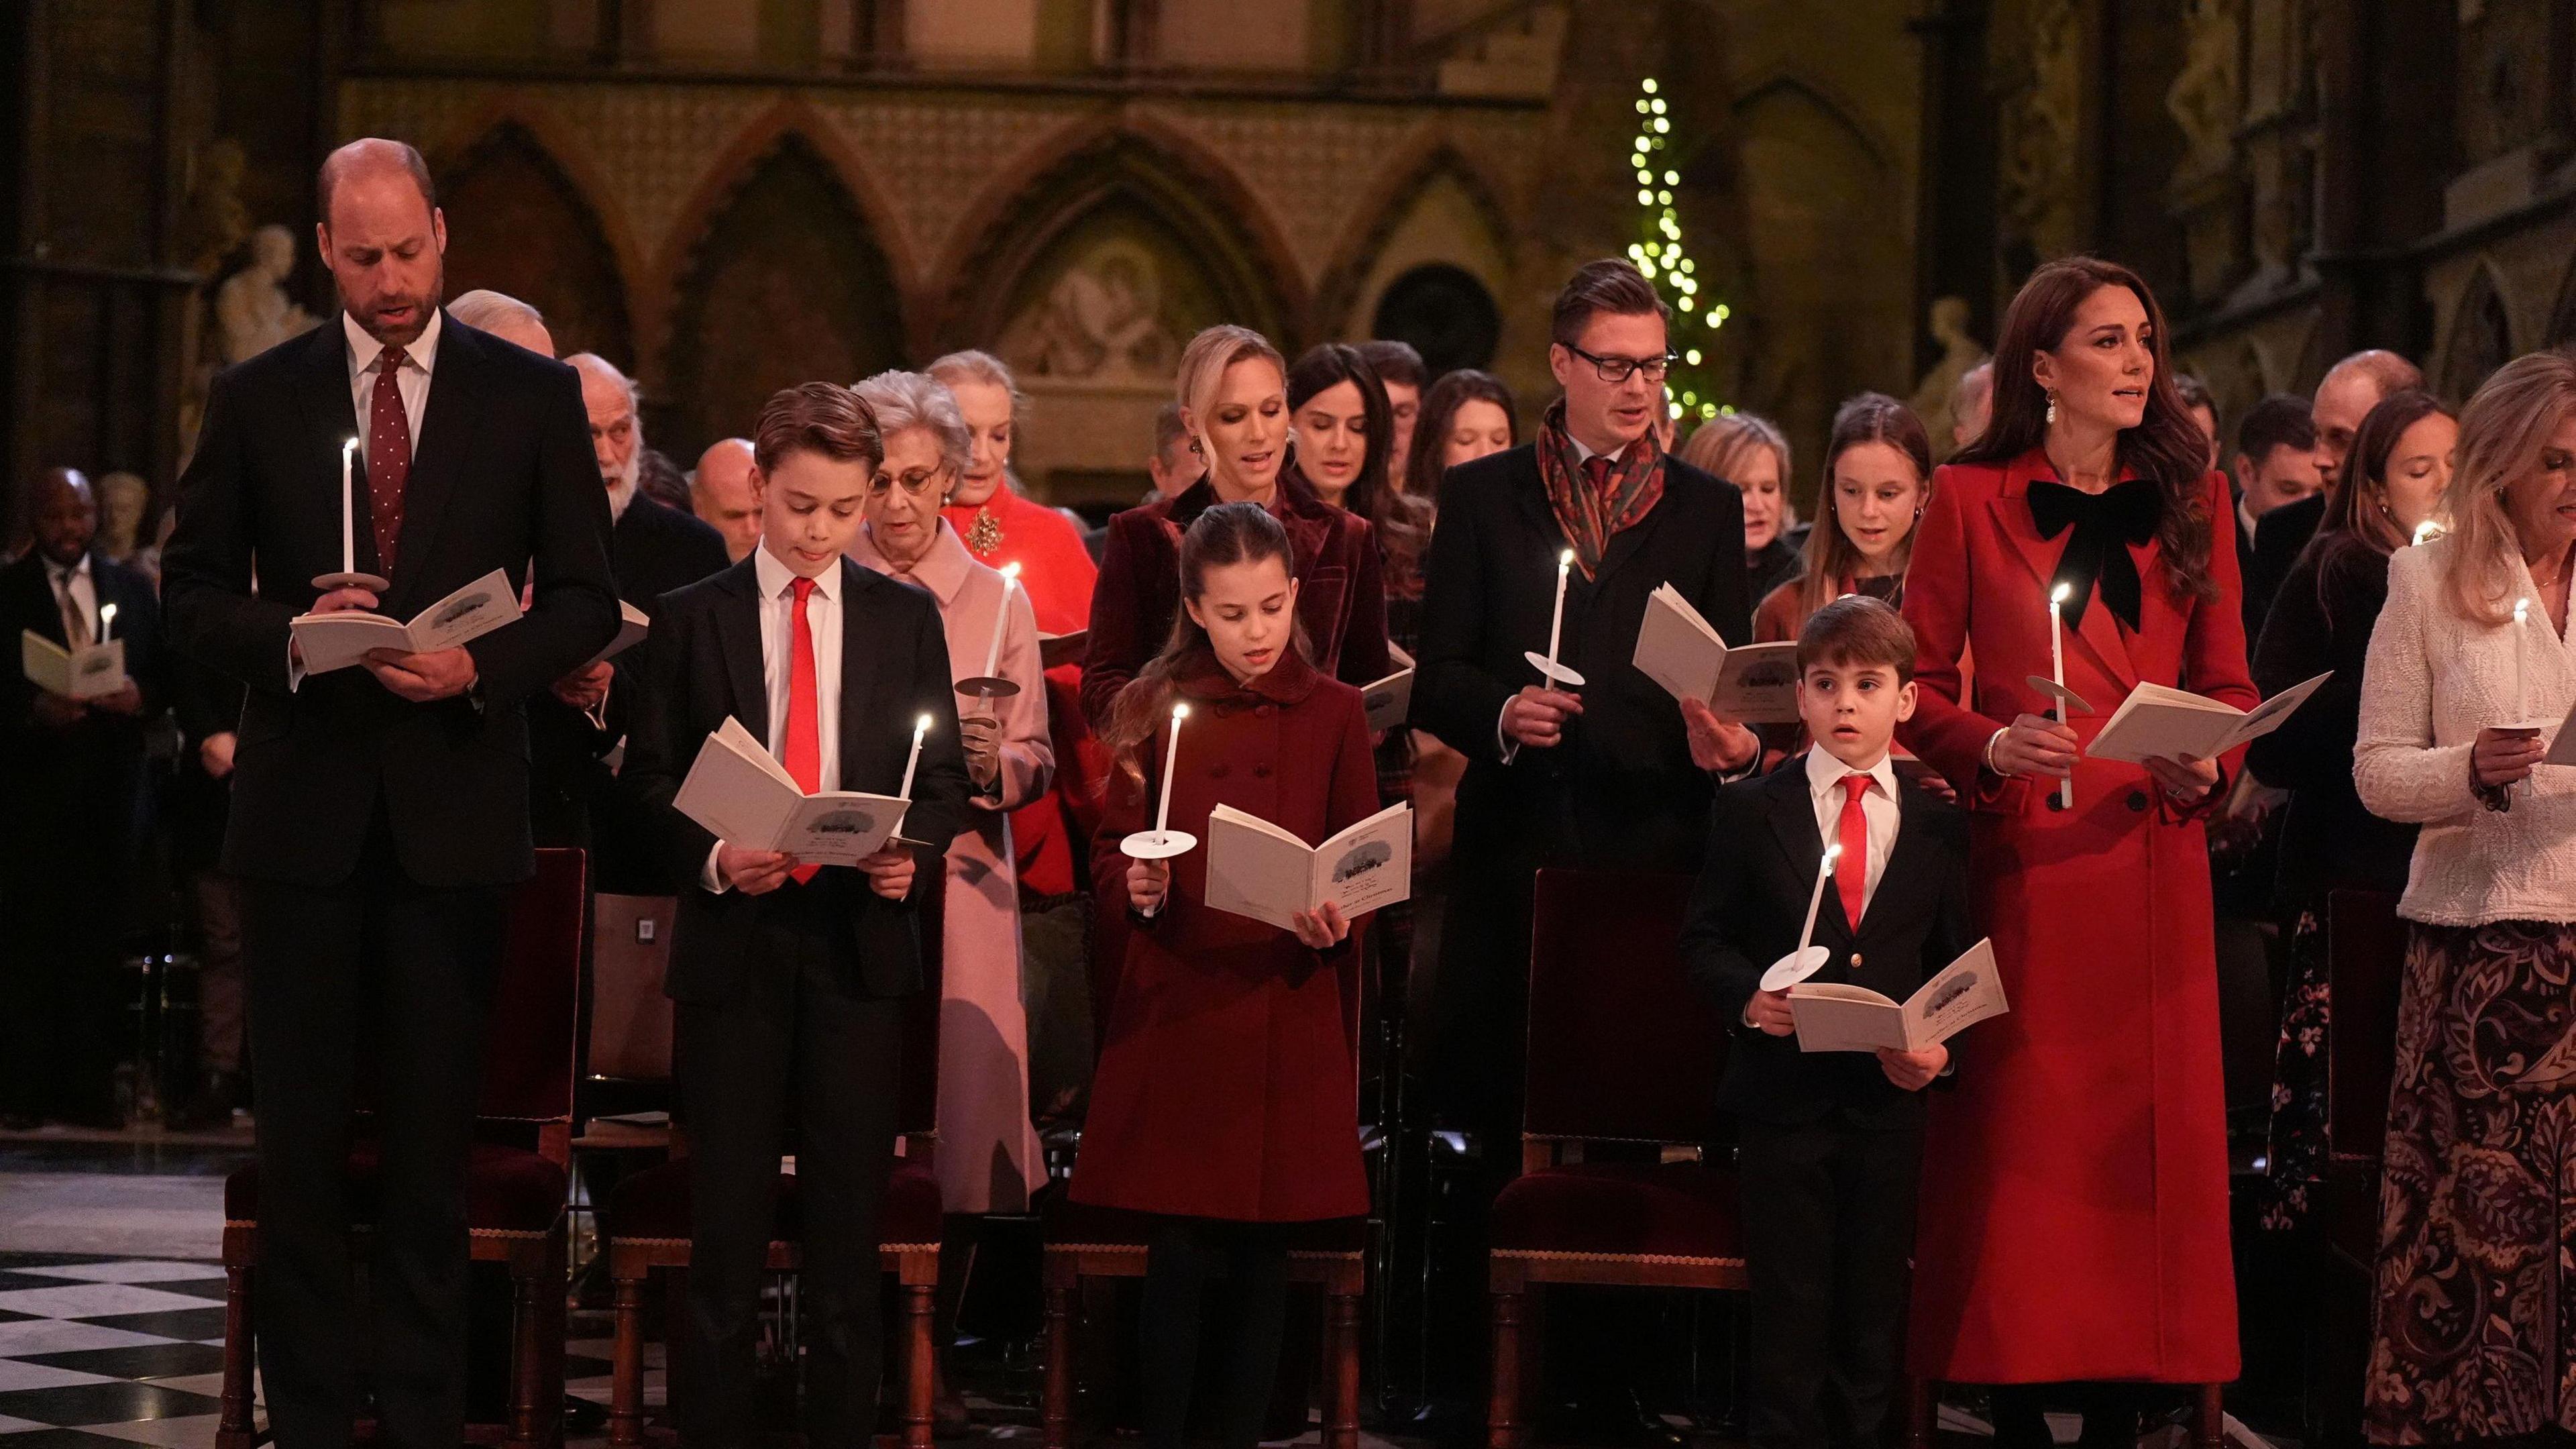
point(2074, 1206)
point(1227, 1087)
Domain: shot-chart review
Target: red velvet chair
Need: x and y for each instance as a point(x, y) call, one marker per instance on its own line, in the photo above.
point(516, 1177)
point(1621, 1050)
point(646, 1220)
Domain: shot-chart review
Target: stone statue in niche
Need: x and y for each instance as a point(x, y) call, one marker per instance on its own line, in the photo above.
point(2204, 99)
point(1959, 352)
point(1100, 322)
point(252, 310)
point(2037, 177)
point(123, 499)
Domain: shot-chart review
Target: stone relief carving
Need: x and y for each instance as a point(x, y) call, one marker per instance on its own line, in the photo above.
point(2206, 97)
point(1100, 322)
point(252, 311)
point(2043, 131)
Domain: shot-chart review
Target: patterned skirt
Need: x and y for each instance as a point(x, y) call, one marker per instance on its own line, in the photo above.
point(2476, 1331)
point(2296, 1160)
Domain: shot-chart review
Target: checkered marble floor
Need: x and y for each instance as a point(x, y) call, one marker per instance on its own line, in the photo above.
point(103, 1351)
point(108, 1351)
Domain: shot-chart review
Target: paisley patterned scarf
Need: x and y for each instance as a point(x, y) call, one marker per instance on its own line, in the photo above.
point(1594, 501)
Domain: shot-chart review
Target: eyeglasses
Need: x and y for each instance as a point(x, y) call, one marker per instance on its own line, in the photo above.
point(1618, 369)
point(915, 483)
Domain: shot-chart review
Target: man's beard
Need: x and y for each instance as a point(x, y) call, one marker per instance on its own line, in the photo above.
point(629, 477)
point(424, 306)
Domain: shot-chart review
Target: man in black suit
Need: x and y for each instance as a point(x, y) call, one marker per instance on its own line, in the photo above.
point(1829, 1143)
point(72, 772)
point(1611, 773)
point(207, 706)
point(790, 980)
point(2274, 468)
point(653, 549)
point(380, 813)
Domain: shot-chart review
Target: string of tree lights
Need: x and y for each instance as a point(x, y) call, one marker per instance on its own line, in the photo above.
point(1659, 253)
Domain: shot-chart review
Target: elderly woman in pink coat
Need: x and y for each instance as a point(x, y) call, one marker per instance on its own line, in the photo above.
point(988, 1160)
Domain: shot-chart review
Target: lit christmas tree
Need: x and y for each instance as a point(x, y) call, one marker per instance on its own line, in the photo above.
point(1658, 252)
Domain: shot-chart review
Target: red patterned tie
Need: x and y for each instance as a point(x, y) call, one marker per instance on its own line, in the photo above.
point(1851, 869)
point(388, 457)
point(804, 754)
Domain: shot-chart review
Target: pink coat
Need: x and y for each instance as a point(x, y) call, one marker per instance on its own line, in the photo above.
point(989, 1159)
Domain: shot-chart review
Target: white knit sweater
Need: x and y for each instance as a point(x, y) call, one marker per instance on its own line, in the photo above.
point(2433, 679)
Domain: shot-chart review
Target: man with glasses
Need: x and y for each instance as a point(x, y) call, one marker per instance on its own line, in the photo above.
point(1610, 773)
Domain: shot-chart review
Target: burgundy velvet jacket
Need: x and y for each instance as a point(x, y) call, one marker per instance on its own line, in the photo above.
point(1341, 599)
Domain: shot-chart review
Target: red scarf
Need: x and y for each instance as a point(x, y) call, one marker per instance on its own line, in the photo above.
point(1594, 500)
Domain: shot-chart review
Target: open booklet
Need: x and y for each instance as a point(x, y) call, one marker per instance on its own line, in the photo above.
point(1055, 649)
point(91, 671)
point(1390, 699)
point(1751, 683)
point(1256, 869)
point(1836, 1018)
point(2158, 720)
point(738, 790)
point(336, 641)
point(632, 626)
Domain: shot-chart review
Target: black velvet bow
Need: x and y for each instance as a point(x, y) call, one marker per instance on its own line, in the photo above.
point(2104, 523)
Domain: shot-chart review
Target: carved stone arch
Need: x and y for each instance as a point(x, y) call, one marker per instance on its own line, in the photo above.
point(518, 222)
point(784, 282)
point(1142, 171)
point(1391, 203)
point(2562, 317)
point(1810, 90)
point(2481, 335)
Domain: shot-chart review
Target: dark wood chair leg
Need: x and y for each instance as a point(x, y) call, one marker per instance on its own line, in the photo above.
point(1922, 1408)
point(1342, 1339)
point(1055, 1418)
point(234, 1425)
point(1503, 1427)
point(2209, 1423)
point(529, 1416)
point(626, 1358)
point(920, 1368)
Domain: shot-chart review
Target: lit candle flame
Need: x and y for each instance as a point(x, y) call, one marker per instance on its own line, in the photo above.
point(1833, 852)
point(2521, 610)
point(921, 726)
point(1180, 711)
point(1011, 571)
point(1565, 560)
point(2061, 593)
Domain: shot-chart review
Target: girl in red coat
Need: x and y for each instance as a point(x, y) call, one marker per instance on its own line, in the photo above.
point(2076, 1225)
point(1226, 1101)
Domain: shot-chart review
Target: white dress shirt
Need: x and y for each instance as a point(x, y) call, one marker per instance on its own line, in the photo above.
point(412, 381)
point(1877, 806)
point(75, 580)
point(777, 637)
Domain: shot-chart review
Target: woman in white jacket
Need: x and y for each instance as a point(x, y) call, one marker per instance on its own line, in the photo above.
point(2476, 1231)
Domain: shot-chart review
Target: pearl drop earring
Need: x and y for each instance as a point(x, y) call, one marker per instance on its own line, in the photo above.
point(2052, 408)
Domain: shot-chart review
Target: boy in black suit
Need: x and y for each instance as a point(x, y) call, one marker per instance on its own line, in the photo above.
point(790, 978)
point(1829, 1144)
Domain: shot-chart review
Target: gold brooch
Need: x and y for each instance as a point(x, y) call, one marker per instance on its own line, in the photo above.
point(985, 534)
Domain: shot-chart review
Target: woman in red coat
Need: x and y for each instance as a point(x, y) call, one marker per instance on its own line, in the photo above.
point(2074, 1221)
point(1227, 1100)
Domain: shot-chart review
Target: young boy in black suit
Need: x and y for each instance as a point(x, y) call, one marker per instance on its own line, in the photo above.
point(790, 978)
point(1830, 1143)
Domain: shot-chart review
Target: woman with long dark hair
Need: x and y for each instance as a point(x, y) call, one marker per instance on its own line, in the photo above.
point(1466, 415)
point(2080, 1230)
point(2321, 620)
point(1339, 414)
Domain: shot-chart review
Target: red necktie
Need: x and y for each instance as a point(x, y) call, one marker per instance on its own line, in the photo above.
point(388, 457)
point(804, 754)
point(1596, 472)
point(1851, 869)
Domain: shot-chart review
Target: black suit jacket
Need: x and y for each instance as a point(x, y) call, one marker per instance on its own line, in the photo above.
point(502, 474)
point(72, 794)
point(27, 602)
point(1763, 855)
point(706, 664)
point(2278, 537)
point(1620, 788)
point(653, 549)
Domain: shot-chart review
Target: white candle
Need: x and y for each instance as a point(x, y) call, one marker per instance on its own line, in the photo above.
point(920, 727)
point(2521, 653)
point(1001, 621)
point(1556, 621)
point(1815, 902)
point(106, 620)
point(1171, 755)
point(348, 509)
point(2057, 598)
